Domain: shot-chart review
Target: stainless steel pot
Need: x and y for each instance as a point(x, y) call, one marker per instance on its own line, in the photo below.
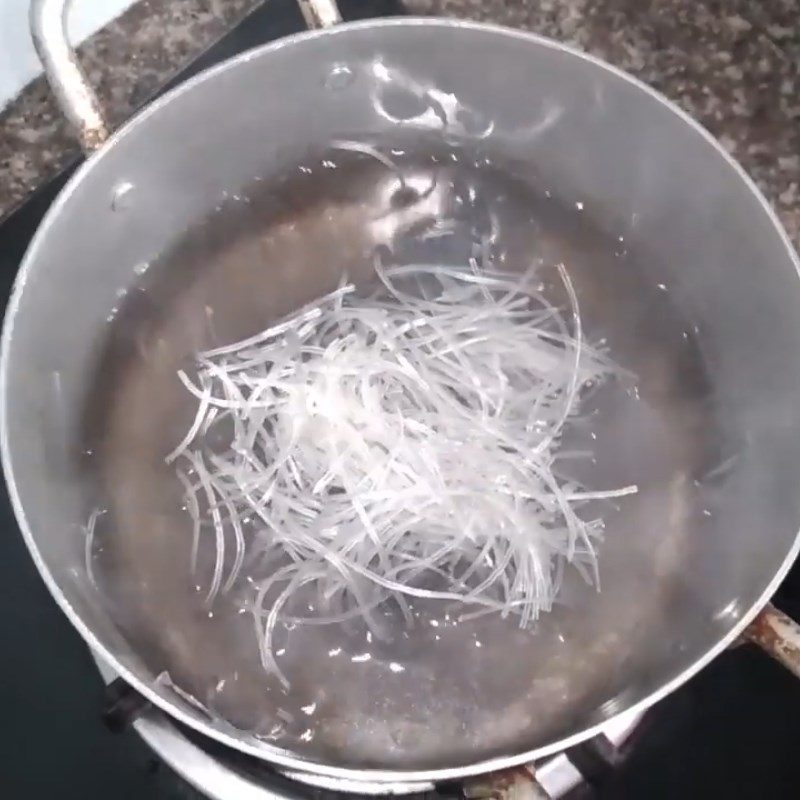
point(677, 258)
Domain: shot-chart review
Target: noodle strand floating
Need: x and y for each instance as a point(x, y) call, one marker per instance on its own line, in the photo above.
point(402, 444)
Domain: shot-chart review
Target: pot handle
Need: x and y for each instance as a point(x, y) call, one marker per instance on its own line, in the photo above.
point(778, 635)
point(73, 92)
point(320, 13)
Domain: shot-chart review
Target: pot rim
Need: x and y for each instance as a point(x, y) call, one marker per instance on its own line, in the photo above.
point(250, 746)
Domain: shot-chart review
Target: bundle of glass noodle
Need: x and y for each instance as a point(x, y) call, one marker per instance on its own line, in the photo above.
point(373, 449)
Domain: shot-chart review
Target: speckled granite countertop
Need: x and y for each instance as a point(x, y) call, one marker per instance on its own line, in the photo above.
point(126, 62)
point(733, 64)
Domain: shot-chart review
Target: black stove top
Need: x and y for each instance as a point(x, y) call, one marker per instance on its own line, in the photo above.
point(733, 730)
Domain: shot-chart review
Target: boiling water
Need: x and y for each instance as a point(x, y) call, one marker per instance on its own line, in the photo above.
point(442, 690)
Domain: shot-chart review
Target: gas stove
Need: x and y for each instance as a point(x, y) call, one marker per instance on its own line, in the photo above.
point(732, 730)
point(226, 775)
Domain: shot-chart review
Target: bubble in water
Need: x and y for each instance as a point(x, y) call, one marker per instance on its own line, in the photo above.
point(340, 77)
point(121, 196)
